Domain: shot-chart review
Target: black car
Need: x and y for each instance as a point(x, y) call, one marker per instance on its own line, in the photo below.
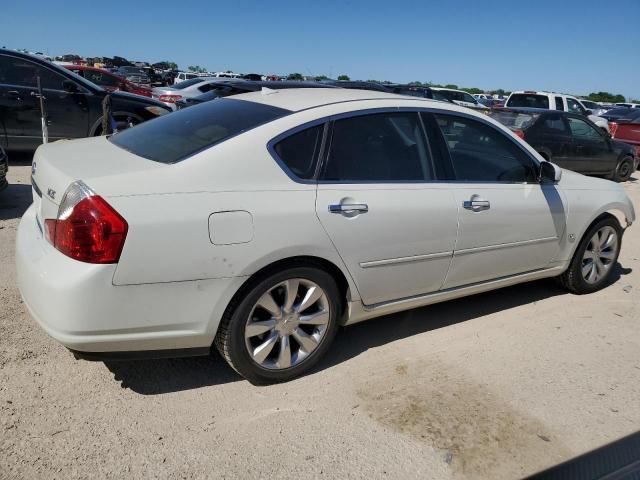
point(571, 141)
point(134, 75)
point(227, 87)
point(4, 168)
point(73, 104)
point(616, 113)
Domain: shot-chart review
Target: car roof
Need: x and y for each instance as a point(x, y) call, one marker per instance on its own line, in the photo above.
point(297, 99)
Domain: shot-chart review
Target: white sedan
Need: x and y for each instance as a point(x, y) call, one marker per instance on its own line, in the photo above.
point(260, 223)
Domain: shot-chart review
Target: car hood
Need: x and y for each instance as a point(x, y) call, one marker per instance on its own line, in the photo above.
point(133, 98)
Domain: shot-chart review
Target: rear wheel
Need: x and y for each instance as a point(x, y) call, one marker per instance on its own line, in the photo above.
point(281, 326)
point(594, 260)
point(624, 170)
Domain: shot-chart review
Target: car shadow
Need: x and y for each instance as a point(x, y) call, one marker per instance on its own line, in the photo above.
point(152, 377)
point(14, 200)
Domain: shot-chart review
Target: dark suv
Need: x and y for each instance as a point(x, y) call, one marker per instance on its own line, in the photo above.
point(73, 104)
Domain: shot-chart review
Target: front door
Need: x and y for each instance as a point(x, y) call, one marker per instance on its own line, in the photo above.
point(394, 228)
point(593, 152)
point(509, 223)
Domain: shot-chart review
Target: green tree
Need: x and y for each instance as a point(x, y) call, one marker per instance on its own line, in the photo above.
point(606, 97)
point(472, 90)
point(453, 86)
point(321, 77)
point(295, 76)
point(344, 77)
point(197, 69)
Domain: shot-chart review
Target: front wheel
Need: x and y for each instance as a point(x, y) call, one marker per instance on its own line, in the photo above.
point(281, 326)
point(593, 261)
point(623, 170)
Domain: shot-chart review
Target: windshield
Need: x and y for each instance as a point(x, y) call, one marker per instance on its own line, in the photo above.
point(514, 120)
point(174, 137)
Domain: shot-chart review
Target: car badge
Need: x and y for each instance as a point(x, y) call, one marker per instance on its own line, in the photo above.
point(34, 167)
point(52, 193)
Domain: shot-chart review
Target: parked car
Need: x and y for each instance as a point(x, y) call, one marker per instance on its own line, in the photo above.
point(235, 87)
point(4, 168)
point(134, 75)
point(187, 89)
point(300, 234)
point(155, 79)
point(616, 113)
point(627, 129)
point(553, 101)
point(491, 102)
point(596, 108)
point(182, 76)
point(571, 141)
point(460, 97)
point(628, 105)
point(74, 104)
point(109, 81)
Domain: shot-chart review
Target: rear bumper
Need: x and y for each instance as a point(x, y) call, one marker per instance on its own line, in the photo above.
point(77, 304)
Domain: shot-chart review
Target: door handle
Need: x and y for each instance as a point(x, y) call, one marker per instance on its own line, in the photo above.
point(14, 93)
point(349, 209)
point(37, 95)
point(476, 204)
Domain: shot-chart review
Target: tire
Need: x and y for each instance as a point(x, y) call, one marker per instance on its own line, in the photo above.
point(624, 170)
point(576, 278)
point(248, 329)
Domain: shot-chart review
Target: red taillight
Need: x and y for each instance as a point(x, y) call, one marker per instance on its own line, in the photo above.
point(170, 98)
point(87, 229)
point(613, 128)
point(519, 133)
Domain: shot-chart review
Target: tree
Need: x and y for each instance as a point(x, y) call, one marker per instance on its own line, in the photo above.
point(319, 78)
point(295, 76)
point(344, 77)
point(472, 90)
point(197, 69)
point(606, 97)
point(452, 86)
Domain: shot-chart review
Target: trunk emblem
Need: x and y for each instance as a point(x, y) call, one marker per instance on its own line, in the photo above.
point(52, 193)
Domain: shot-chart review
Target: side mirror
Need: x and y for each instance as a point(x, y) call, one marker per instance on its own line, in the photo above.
point(588, 112)
point(69, 86)
point(550, 172)
point(122, 86)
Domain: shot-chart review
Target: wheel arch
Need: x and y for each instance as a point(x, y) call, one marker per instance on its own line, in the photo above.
point(117, 114)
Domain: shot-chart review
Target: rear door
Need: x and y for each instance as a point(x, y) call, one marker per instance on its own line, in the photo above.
point(592, 151)
point(392, 225)
point(509, 223)
point(550, 135)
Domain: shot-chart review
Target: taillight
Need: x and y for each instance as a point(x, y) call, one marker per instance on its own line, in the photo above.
point(87, 229)
point(170, 98)
point(519, 133)
point(613, 128)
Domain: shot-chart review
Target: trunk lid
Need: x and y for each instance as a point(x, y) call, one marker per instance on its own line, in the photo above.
point(56, 165)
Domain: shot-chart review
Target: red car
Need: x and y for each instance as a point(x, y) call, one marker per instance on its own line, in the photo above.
point(627, 129)
point(109, 81)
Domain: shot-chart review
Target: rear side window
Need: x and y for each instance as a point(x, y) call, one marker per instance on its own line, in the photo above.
point(383, 147)
point(480, 153)
point(299, 151)
point(171, 138)
point(529, 100)
point(555, 124)
point(23, 73)
point(560, 103)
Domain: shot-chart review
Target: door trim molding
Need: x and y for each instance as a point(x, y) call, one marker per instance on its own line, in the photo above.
point(498, 246)
point(414, 258)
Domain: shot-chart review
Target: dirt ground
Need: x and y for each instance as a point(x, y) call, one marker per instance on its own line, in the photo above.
point(499, 385)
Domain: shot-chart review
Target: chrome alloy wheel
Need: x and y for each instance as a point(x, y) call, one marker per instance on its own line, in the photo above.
point(599, 254)
point(287, 323)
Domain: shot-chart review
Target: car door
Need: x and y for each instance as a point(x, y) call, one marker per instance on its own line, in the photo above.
point(509, 223)
point(19, 118)
point(551, 137)
point(592, 150)
point(394, 228)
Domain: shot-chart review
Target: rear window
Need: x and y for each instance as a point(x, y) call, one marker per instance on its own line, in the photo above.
point(174, 137)
point(529, 100)
point(187, 83)
point(514, 120)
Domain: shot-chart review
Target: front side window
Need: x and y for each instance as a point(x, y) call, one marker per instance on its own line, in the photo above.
point(300, 150)
point(528, 100)
point(581, 129)
point(24, 73)
point(383, 147)
point(574, 107)
point(468, 98)
point(480, 153)
point(172, 138)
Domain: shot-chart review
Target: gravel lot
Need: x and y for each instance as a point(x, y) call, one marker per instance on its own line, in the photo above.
point(498, 385)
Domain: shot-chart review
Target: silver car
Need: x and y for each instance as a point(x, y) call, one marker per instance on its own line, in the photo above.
point(187, 89)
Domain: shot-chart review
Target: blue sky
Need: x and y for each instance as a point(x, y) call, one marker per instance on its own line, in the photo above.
point(562, 45)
